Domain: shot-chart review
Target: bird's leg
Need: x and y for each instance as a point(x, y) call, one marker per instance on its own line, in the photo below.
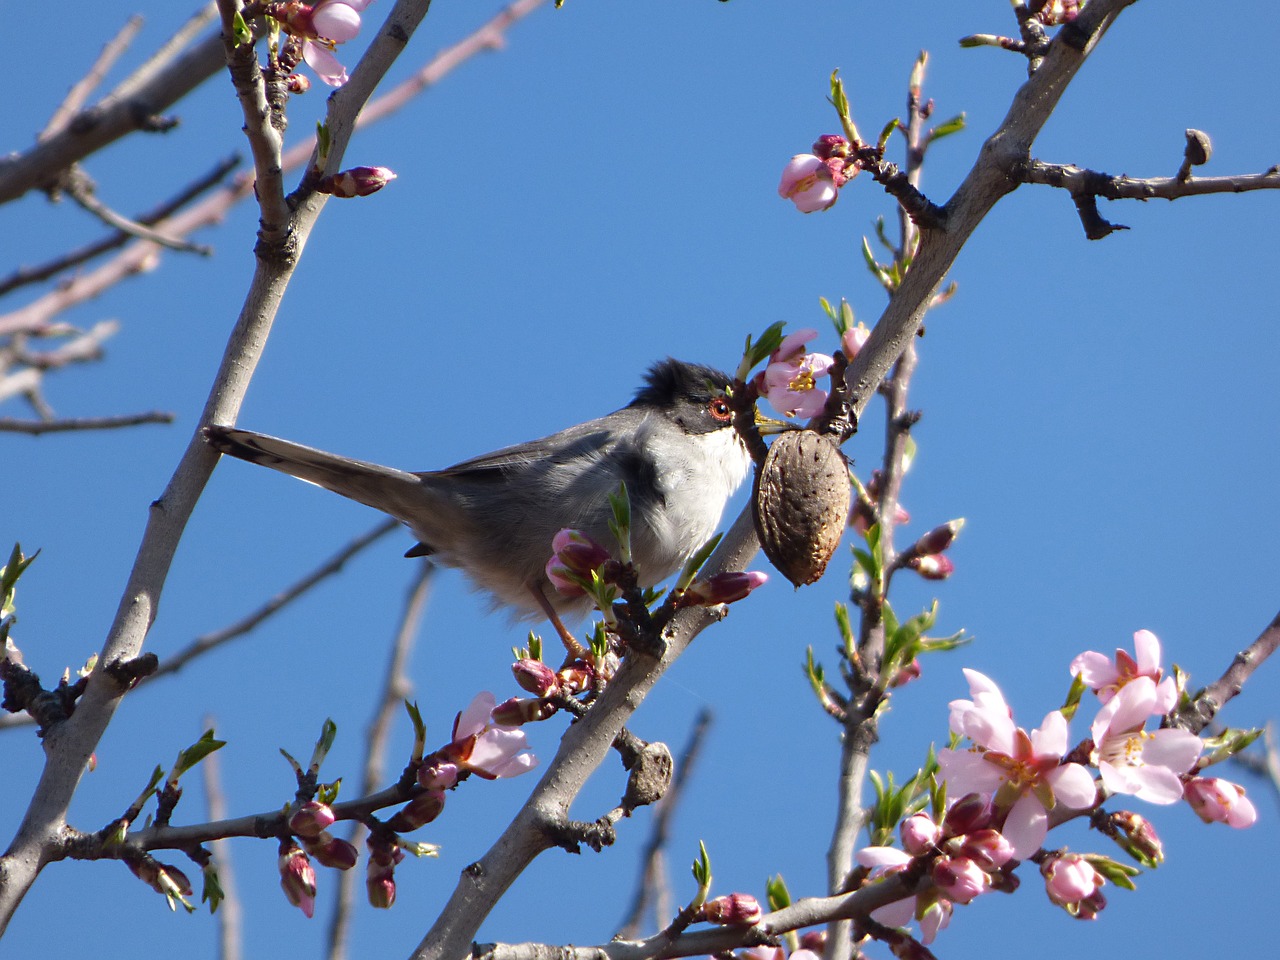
point(575, 649)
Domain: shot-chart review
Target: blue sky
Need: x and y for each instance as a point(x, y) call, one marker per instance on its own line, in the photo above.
point(598, 195)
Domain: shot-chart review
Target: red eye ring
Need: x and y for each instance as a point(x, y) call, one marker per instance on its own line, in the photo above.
point(720, 410)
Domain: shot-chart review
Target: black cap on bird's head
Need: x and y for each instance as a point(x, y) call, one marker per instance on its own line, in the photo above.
point(671, 381)
point(690, 393)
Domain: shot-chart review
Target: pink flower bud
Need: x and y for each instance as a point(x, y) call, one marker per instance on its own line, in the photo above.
point(1137, 836)
point(832, 145)
point(356, 182)
point(1070, 878)
point(938, 539)
point(1219, 801)
point(932, 566)
point(1057, 12)
point(535, 677)
point(438, 775)
point(987, 848)
point(297, 83)
point(419, 811)
point(854, 339)
point(971, 812)
point(959, 879)
point(330, 851)
point(919, 834)
point(575, 556)
point(310, 818)
point(297, 878)
point(908, 673)
point(160, 877)
point(736, 909)
point(518, 711)
point(722, 588)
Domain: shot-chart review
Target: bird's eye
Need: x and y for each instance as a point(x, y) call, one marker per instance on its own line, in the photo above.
point(719, 409)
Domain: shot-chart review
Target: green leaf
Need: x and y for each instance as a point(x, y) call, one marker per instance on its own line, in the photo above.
point(189, 757)
point(1072, 703)
point(702, 872)
point(322, 144)
point(212, 893)
point(1120, 874)
point(887, 132)
point(328, 733)
point(240, 30)
point(948, 127)
point(845, 626)
point(328, 792)
point(776, 892)
point(694, 563)
point(620, 524)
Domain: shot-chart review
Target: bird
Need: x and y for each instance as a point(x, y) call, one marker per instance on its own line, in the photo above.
point(674, 446)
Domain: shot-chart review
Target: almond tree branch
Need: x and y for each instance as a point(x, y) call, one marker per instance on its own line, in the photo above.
point(69, 744)
point(139, 257)
point(1199, 712)
point(27, 275)
point(1085, 186)
point(37, 427)
point(79, 93)
point(81, 190)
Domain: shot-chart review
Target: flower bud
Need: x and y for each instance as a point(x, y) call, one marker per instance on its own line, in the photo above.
point(919, 834)
point(971, 812)
point(1068, 879)
point(297, 878)
point(1136, 836)
point(908, 673)
point(938, 539)
point(356, 182)
point(854, 339)
point(832, 145)
point(330, 851)
point(535, 677)
point(297, 83)
point(721, 588)
point(1219, 801)
point(521, 710)
point(310, 818)
point(959, 879)
point(736, 909)
point(932, 566)
point(419, 811)
point(987, 848)
point(438, 775)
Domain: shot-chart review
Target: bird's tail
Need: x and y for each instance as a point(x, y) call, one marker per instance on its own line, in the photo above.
point(397, 492)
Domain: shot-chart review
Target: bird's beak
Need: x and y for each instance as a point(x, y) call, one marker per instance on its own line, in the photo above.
point(769, 426)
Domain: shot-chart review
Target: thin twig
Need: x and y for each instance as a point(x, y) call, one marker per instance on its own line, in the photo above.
point(230, 925)
point(81, 190)
point(79, 93)
point(396, 688)
point(1204, 706)
point(66, 425)
point(51, 268)
point(182, 38)
point(653, 887)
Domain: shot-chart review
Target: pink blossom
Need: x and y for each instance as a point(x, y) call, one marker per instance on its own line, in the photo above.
point(320, 27)
point(1131, 760)
point(1220, 801)
point(488, 749)
point(808, 183)
point(1069, 879)
point(1024, 771)
point(791, 385)
point(1105, 676)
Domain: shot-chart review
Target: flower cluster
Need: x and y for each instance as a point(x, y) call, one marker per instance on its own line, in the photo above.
point(967, 856)
point(1011, 783)
point(812, 181)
